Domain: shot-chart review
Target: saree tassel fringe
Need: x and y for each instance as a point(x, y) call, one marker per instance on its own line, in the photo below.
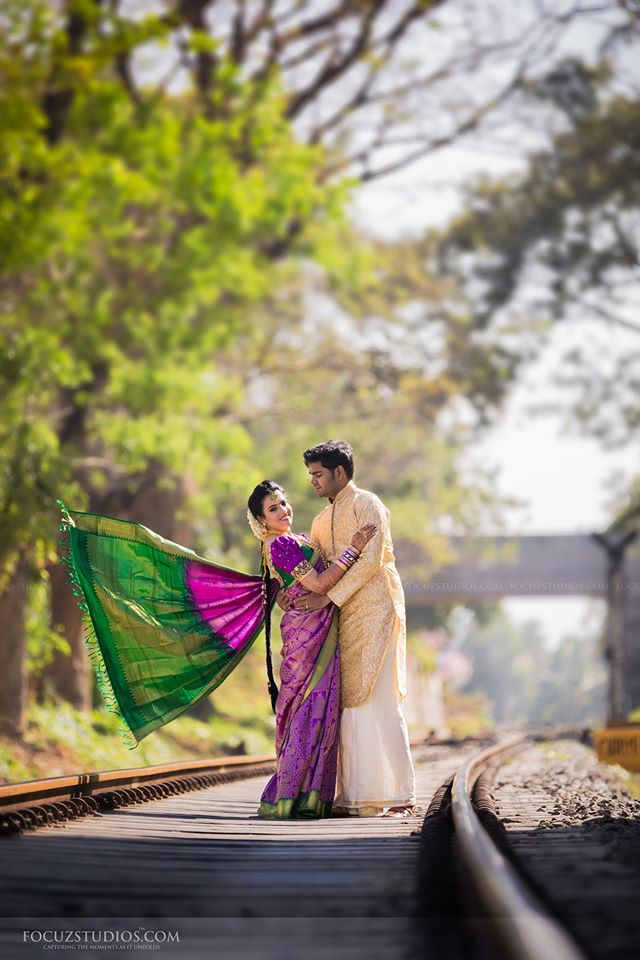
point(89, 633)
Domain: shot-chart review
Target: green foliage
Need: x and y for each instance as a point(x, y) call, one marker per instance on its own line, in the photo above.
point(425, 654)
point(61, 739)
point(182, 297)
point(137, 247)
point(569, 214)
point(468, 714)
point(42, 640)
point(13, 769)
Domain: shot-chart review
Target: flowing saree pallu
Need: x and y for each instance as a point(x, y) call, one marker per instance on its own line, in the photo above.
point(308, 704)
point(163, 626)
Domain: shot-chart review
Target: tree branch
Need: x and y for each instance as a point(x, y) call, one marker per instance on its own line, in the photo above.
point(332, 70)
point(611, 317)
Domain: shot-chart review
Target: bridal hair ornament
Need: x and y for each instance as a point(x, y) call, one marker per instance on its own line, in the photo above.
point(258, 527)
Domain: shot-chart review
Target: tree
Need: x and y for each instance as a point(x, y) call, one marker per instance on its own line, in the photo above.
point(379, 84)
point(561, 241)
point(149, 226)
point(139, 238)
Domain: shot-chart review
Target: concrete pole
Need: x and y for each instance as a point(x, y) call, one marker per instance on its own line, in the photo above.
point(618, 701)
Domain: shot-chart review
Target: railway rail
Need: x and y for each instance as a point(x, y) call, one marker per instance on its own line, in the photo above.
point(37, 803)
point(495, 890)
point(447, 877)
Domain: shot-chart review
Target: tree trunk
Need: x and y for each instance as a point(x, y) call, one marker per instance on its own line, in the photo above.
point(68, 676)
point(13, 654)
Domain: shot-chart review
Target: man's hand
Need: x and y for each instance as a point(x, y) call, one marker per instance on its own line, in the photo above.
point(311, 601)
point(283, 599)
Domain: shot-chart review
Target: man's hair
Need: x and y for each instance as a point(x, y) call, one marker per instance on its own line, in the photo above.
point(331, 454)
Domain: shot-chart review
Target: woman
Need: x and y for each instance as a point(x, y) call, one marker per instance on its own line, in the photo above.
point(307, 706)
point(164, 627)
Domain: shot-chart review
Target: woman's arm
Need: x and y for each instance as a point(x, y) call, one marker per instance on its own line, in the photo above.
point(321, 582)
point(373, 512)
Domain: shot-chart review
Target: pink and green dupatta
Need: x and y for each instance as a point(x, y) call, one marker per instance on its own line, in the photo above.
point(163, 626)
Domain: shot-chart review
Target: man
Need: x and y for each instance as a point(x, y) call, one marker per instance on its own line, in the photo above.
point(375, 770)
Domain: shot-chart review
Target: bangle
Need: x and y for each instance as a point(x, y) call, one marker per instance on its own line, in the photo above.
point(348, 558)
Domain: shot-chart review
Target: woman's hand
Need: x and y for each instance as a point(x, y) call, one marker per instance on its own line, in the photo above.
point(362, 536)
point(311, 601)
point(283, 599)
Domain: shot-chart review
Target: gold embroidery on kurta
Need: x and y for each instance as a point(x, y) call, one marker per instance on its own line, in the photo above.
point(368, 616)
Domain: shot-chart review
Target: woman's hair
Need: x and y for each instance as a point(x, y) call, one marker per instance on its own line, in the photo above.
point(331, 454)
point(260, 492)
point(255, 507)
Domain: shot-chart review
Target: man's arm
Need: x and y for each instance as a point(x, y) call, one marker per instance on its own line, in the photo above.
point(370, 560)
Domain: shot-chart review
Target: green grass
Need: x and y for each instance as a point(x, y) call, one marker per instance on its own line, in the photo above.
point(60, 739)
point(14, 770)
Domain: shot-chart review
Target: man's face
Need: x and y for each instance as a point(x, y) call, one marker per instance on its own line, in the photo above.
point(326, 483)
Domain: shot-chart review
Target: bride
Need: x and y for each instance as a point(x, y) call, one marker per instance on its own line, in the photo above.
point(164, 627)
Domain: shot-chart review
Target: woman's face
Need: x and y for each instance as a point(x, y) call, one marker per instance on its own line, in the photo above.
point(277, 513)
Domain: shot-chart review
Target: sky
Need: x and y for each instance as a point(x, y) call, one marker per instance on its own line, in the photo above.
point(566, 481)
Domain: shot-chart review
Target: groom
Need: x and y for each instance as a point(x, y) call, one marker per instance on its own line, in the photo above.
point(375, 770)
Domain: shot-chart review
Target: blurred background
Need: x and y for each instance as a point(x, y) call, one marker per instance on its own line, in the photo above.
point(232, 229)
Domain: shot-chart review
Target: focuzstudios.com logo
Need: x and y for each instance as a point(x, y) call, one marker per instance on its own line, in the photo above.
point(140, 938)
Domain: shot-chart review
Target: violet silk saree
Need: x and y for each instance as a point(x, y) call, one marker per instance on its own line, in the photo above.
point(308, 704)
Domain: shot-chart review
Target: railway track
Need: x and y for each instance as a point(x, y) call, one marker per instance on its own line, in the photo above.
point(446, 881)
point(467, 870)
point(54, 800)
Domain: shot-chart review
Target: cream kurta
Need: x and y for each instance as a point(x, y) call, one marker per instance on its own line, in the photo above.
point(370, 595)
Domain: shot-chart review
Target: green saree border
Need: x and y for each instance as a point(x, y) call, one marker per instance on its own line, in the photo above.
point(326, 656)
point(110, 674)
point(103, 525)
point(306, 806)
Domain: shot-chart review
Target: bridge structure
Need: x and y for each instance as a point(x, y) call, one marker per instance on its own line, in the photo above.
point(597, 565)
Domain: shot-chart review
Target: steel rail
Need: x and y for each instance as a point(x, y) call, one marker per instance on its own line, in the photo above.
point(33, 803)
point(70, 786)
point(524, 926)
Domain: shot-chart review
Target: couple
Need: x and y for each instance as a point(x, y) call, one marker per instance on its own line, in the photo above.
point(164, 627)
point(343, 636)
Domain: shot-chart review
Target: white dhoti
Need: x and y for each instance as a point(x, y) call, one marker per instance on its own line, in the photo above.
point(375, 770)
